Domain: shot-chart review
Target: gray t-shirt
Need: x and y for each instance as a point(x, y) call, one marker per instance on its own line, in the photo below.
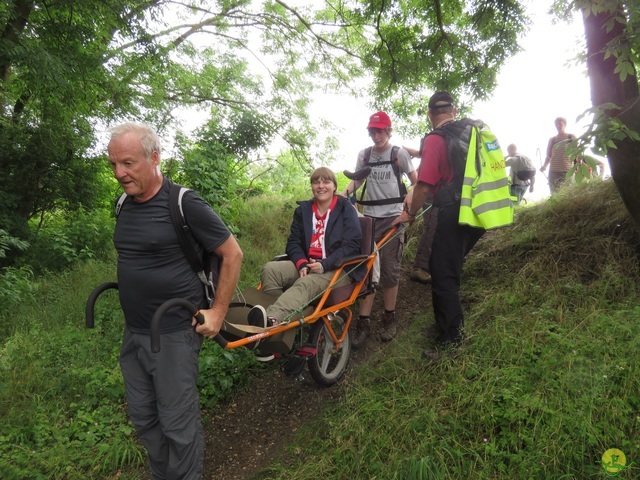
point(382, 181)
point(152, 267)
point(516, 163)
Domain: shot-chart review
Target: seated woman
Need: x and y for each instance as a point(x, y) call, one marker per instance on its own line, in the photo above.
point(325, 230)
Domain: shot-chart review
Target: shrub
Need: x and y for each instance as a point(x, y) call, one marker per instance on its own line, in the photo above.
point(69, 238)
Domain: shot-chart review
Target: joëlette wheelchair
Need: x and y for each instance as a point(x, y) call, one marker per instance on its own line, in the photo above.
point(318, 334)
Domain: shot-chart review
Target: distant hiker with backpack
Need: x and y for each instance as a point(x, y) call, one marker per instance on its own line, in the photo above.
point(382, 197)
point(523, 173)
point(560, 163)
point(471, 193)
point(161, 392)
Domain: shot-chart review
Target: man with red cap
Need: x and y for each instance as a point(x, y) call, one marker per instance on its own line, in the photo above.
point(382, 198)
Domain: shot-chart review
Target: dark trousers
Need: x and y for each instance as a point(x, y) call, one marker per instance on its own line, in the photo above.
point(451, 243)
point(429, 220)
point(163, 401)
point(556, 181)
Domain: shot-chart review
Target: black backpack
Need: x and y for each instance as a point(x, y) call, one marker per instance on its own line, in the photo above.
point(526, 169)
point(457, 135)
point(207, 266)
point(402, 189)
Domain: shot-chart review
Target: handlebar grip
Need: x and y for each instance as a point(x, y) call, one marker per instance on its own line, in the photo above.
point(220, 340)
point(176, 302)
point(89, 312)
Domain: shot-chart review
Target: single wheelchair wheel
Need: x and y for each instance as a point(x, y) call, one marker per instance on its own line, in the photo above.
point(330, 362)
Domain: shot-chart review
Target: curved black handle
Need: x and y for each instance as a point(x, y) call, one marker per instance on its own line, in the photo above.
point(176, 302)
point(358, 175)
point(91, 302)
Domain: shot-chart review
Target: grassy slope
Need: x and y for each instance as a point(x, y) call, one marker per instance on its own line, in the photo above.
point(547, 381)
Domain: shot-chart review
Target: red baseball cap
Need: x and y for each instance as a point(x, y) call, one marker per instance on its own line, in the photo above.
point(379, 120)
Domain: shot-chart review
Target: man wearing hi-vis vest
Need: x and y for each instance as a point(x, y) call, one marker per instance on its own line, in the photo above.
point(441, 176)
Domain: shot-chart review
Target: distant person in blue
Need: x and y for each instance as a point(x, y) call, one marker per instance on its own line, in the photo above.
point(162, 396)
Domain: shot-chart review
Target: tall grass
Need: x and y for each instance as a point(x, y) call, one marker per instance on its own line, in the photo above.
point(61, 395)
point(546, 381)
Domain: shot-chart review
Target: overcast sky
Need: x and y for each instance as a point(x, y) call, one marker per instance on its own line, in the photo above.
point(539, 84)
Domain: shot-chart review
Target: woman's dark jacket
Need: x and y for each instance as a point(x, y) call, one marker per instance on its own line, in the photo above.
point(342, 235)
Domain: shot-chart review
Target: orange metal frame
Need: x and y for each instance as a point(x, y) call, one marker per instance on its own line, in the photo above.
point(321, 310)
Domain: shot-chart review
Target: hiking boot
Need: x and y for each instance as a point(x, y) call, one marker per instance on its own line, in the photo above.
point(257, 317)
point(420, 275)
point(389, 326)
point(362, 332)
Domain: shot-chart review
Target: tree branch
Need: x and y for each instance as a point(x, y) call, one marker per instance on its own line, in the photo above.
point(319, 38)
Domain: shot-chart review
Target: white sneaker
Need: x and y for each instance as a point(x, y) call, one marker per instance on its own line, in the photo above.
point(264, 357)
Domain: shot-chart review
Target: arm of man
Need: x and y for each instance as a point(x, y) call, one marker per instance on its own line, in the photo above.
point(413, 177)
point(231, 259)
point(412, 151)
point(547, 160)
point(421, 191)
point(351, 187)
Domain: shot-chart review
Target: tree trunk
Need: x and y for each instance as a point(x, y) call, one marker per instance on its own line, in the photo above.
point(607, 87)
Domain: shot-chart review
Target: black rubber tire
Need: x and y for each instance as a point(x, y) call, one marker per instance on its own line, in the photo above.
point(329, 364)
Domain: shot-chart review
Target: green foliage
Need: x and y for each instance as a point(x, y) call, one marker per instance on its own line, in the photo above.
point(69, 238)
point(225, 167)
point(61, 391)
point(73, 68)
point(54, 84)
point(16, 286)
point(284, 176)
point(7, 242)
point(413, 49)
point(222, 372)
point(263, 226)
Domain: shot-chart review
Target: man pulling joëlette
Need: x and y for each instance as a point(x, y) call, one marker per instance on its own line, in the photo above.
point(161, 391)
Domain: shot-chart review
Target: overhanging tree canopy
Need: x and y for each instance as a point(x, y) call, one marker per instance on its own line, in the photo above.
point(67, 69)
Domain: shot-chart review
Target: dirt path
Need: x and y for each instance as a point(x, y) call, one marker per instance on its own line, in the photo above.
point(249, 433)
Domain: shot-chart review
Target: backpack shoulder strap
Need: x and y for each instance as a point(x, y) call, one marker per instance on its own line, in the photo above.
point(119, 203)
point(402, 189)
point(393, 161)
point(176, 193)
point(367, 155)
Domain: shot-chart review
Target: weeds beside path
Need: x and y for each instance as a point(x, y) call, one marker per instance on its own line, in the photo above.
point(253, 429)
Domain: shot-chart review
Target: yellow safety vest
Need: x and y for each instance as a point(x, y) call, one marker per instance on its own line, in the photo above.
point(485, 200)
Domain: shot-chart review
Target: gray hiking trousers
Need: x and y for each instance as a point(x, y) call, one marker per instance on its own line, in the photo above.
point(163, 401)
